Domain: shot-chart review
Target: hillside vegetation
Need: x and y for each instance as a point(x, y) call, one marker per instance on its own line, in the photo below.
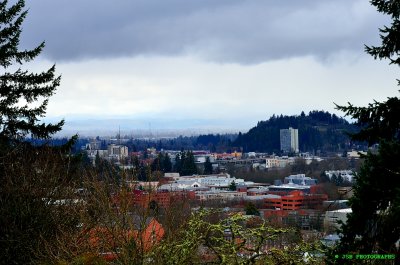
point(318, 130)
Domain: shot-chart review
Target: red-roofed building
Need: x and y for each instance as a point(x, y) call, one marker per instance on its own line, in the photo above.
point(295, 200)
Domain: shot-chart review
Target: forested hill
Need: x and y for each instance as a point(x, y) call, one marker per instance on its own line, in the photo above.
point(318, 130)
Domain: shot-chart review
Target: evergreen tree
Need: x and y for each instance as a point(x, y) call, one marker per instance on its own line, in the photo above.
point(142, 173)
point(340, 180)
point(167, 165)
point(334, 179)
point(232, 186)
point(183, 162)
point(135, 162)
point(178, 163)
point(97, 160)
point(251, 209)
point(374, 224)
point(157, 164)
point(192, 164)
point(208, 167)
point(29, 175)
point(19, 88)
point(162, 163)
point(188, 165)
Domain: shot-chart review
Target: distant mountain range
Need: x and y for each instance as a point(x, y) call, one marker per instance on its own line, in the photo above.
point(318, 130)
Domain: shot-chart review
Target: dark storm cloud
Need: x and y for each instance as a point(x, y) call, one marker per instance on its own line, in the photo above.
point(218, 30)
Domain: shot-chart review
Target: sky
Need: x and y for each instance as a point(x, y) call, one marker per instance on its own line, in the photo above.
point(205, 65)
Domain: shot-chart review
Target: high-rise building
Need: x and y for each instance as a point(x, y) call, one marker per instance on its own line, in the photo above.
point(289, 140)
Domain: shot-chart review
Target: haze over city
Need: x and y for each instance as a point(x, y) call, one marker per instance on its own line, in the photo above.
point(205, 65)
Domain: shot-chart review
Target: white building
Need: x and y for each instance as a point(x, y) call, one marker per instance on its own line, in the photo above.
point(173, 175)
point(355, 154)
point(222, 196)
point(279, 162)
point(219, 181)
point(201, 158)
point(93, 145)
point(181, 185)
point(118, 151)
point(332, 218)
point(300, 179)
point(289, 140)
point(347, 175)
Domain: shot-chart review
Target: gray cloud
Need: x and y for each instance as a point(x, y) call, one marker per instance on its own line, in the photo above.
point(224, 31)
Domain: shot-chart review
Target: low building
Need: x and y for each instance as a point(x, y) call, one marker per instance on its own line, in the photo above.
point(346, 175)
point(219, 181)
point(287, 188)
point(257, 191)
point(335, 205)
point(279, 162)
point(295, 200)
point(220, 195)
point(93, 145)
point(201, 158)
point(305, 219)
point(215, 180)
point(182, 185)
point(332, 218)
point(173, 175)
point(355, 154)
point(300, 179)
point(345, 192)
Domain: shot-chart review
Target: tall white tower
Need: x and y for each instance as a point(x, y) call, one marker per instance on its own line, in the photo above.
point(289, 140)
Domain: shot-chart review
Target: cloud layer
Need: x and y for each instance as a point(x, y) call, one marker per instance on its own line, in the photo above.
point(225, 61)
point(236, 31)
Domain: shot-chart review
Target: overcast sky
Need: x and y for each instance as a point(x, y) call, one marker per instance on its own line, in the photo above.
point(227, 62)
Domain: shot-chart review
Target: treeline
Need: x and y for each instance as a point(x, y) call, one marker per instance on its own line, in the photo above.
point(318, 131)
point(184, 163)
point(212, 142)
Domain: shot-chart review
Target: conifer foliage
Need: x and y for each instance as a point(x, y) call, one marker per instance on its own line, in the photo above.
point(23, 94)
point(374, 225)
point(32, 178)
point(185, 164)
